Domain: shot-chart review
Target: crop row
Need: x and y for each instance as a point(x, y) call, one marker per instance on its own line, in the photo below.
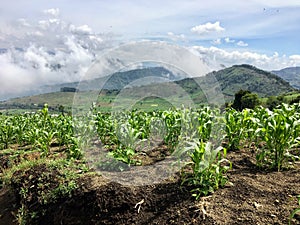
point(196, 133)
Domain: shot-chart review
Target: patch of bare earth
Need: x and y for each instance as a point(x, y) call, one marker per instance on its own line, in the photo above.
point(254, 197)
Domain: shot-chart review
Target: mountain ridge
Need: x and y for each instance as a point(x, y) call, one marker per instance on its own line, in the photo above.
point(290, 74)
point(228, 81)
point(119, 80)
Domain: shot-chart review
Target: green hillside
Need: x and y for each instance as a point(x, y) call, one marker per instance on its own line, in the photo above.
point(229, 80)
point(290, 74)
point(250, 78)
point(237, 77)
point(119, 80)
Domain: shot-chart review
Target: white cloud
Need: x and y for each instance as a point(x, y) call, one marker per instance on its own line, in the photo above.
point(217, 56)
point(84, 29)
point(176, 37)
point(217, 41)
point(23, 22)
point(56, 21)
point(35, 33)
point(78, 54)
point(52, 12)
point(295, 59)
point(64, 59)
point(44, 24)
point(13, 78)
point(207, 28)
point(242, 44)
point(96, 38)
point(35, 57)
point(228, 40)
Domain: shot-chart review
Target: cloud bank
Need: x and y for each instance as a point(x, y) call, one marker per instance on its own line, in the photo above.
point(45, 52)
point(48, 49)
point(217, 56)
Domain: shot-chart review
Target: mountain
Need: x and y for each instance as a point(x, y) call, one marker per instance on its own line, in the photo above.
point(250, 78)
point(228, 81)
point(119, 80)
point(231, 80)
point(290, 74)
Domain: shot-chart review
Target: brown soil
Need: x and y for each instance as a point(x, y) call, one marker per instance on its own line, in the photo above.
point(254, 197)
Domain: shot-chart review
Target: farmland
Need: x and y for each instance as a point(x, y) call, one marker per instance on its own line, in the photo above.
point(70, 169)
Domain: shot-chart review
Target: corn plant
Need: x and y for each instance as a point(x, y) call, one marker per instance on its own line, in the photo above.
point(105, 129)
point(124, 154)
point(65, 129)
point(44, 141)
point(249, 125)
point(279, 130)
point(21, 124)
point(205, 118)
point(208, 166)
point(173, 124)
point(234, 131)
point(127, 134)
point(7, 134)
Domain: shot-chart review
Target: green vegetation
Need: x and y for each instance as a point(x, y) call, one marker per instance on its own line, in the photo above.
point(230, 81)
point(43, 155)
point(41, 182)
point(291, 75)
point(247, 77)
point(245, 99)
point(280, 131)
point(295, 211)
point(208, 168)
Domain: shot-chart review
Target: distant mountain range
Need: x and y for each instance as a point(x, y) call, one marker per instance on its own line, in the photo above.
point(152, 80)
point(250, 78)
point(230, 79)
point(291, 75)
point(119, 80)
point(246, 77)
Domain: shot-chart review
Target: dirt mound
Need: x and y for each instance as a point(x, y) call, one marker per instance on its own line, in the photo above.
point(254, 197)
point(7, 207)
point(112, 203)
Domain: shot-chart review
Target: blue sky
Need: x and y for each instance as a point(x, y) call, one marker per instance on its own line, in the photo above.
point(266, 26)
point(264, 33)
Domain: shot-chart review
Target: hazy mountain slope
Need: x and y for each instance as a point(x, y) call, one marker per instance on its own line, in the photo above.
point(250, 78)
point(119, 80)
point(228, 80)
point(232, 79)
point(290, 74)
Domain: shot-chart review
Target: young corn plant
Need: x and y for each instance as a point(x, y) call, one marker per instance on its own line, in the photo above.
point(21, 127)
point(234, 131)
point(205, 118)
point(7, 133)
point(129, 138)
point(65, 130)
point(44, 141)
point(172, 119)
point(208, 168)
point(279, 130)
point(250, 125)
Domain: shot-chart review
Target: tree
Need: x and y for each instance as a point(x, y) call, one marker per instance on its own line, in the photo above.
point(237, 103)
point(272, 102)
point(296, 100)
point(249, 101)
point(245, 99)
point(61, 109)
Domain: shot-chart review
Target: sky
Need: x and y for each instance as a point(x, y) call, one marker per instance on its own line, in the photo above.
point(47, 42)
